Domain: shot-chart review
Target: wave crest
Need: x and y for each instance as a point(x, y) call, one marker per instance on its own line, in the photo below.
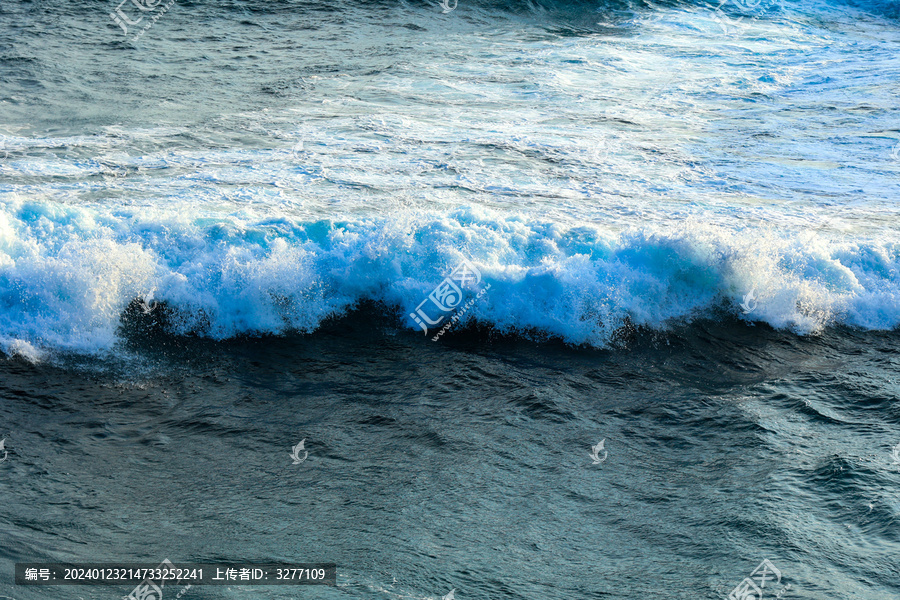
point(67, 274)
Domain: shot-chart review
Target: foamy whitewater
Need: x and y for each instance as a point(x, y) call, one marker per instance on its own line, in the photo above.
point(674, 355)
point(652, 170)
point(70, 272)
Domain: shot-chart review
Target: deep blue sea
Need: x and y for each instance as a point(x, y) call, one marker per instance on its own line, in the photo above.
point(566, 300)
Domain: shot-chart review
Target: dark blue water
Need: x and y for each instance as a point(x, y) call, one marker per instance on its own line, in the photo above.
point(466, 464)
point(215, 236)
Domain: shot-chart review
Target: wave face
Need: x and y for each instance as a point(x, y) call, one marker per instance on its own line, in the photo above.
point(224, 277)
point(260, 168)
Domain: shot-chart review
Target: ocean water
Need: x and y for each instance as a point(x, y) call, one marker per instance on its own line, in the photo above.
point(673, 227)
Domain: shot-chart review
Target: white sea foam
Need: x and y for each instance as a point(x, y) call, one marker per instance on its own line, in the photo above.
point(68, 273)
point(596, 180)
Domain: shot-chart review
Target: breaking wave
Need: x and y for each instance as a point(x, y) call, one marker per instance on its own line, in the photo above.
point(68, 274)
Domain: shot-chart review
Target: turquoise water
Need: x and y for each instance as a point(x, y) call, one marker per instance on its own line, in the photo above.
point(684, 222)
point(599, 165)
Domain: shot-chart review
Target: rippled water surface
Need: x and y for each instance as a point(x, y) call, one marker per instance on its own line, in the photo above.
point(212, 238)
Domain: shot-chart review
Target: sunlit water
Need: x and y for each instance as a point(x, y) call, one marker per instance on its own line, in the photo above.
point(689, 225)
